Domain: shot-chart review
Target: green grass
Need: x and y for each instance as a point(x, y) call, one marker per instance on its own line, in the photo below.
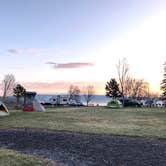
point(146, 122)
point(12, 158)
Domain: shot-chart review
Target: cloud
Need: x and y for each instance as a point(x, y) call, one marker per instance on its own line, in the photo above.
point(27, 51)
point(51, 63)
point(70, 65)
point(14, 51)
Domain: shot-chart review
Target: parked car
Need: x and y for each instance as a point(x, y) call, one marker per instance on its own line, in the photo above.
point(130, 103)
point(75, 103)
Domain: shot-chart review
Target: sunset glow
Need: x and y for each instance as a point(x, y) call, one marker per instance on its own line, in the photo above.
point(49, 45)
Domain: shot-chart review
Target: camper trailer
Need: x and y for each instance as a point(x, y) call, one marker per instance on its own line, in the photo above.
point(59, 100)
point(64, 100)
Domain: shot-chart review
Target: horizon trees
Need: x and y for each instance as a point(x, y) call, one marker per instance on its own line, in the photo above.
point(126, 85)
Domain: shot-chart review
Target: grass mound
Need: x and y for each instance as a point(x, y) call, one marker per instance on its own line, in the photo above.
point(10, 157)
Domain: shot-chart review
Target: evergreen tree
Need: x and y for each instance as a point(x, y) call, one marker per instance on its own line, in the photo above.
point(163, 84)
point(18, 92)
point(112, 89)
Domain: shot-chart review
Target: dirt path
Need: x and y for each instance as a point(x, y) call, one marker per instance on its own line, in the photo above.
point(86, 150)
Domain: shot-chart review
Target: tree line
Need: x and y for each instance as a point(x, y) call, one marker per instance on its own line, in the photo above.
point(127, 86)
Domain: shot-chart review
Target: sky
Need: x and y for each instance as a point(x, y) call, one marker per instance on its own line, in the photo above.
point(50, 44)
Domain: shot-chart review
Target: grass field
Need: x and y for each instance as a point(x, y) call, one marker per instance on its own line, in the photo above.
point(146, 122)
point(12, 158)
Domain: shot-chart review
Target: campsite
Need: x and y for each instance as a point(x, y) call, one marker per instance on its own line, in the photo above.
point(83, 83)
point(62, 133)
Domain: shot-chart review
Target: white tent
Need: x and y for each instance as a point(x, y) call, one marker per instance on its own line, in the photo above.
point(3, 109)
point(37, 106)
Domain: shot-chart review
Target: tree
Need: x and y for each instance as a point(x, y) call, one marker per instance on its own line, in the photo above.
point(112, 88)
point(163, 83)
point(8, 84)
point(18, 92)
point(123, 76)
point(74, 93)
point(88, 93)
point(138, 88)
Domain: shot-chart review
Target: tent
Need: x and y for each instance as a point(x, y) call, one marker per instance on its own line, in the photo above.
point(37, 106)
point(31, 104)
point(3, 109)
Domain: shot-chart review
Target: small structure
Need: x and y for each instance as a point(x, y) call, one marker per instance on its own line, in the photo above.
point(3, 110)
point(31, 104)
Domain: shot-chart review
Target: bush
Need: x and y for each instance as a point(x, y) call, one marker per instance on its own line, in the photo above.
point(114, 104)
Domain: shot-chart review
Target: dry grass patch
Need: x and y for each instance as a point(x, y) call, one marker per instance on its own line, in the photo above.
point(13, 158)
point(130, 121)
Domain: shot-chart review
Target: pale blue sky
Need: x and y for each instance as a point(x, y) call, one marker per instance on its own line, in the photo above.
point(34, 32)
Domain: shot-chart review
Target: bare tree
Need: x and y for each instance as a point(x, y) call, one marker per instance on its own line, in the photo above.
point(8, 83)
point(137, 88)
point(129, 86)
point(88, 93)
point(146, 90)
point(74, 93)
point(123, 76)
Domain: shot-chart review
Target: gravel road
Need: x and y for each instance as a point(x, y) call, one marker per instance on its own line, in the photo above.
point(74, 149)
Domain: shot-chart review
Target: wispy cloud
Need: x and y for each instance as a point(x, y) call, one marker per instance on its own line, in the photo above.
point(14, 51)
point(70, 65)
point(29, 51)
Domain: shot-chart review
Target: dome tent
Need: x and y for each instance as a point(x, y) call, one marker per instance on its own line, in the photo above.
point(114, 103)
point(3, 109)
